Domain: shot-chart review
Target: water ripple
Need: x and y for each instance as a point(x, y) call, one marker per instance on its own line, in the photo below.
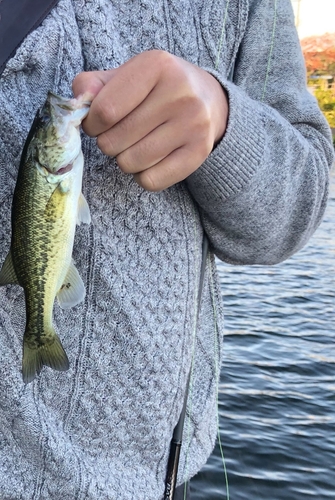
point(277, 390)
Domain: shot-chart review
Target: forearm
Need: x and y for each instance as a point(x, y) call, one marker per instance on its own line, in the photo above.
point(263, 190)
point(263, 204)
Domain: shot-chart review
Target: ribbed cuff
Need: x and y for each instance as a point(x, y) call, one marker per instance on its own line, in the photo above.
point(236, 157)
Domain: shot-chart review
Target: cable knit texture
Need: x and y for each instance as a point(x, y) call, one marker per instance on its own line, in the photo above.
point(102, 430)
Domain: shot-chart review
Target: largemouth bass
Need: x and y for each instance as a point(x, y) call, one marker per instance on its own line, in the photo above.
point(46, 206)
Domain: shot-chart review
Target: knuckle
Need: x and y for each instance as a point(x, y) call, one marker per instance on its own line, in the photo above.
point(162, 55)
point(125, 163)
point(145, 150)
point(106, 113)
point(205, 119)
point(167, 62)
point(147, 181)
point(190, 101)
point(105, 144)
point(201, 120)
point(80, 82)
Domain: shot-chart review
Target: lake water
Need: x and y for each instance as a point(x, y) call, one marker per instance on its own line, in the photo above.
point(277, 390)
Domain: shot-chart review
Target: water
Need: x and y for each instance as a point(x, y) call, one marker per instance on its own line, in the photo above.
point(277, 390)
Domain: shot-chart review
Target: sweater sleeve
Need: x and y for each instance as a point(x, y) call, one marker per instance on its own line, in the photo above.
point(263, 190)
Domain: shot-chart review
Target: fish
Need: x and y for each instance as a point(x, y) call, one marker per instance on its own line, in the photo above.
point(47, 205)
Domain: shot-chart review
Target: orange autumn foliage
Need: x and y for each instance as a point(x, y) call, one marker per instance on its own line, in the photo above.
point(319, 54)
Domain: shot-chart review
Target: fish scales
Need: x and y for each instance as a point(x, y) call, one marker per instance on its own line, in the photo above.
point(37, 252)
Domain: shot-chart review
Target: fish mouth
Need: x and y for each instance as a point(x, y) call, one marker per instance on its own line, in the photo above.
point(69, 104)
point(77, 108)
point(64, 170)
point(61, 171)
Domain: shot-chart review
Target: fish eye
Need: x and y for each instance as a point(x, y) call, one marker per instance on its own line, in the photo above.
point(44, 117)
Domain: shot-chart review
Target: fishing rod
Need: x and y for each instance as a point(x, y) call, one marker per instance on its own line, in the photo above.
point(176, 441)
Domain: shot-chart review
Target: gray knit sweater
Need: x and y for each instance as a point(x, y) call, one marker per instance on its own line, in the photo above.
point(102, 430)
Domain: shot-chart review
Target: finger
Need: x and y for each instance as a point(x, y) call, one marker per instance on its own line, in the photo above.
point(130, 84)
point(148, 116)
point(152, 149)
point(161, 106)
point(131, 129)
point(174, 168)
point(90, 82)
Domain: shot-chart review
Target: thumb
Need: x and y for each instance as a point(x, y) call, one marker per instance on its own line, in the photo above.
point(90, 83)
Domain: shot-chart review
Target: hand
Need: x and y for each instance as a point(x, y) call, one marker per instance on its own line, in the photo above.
point(159, 115)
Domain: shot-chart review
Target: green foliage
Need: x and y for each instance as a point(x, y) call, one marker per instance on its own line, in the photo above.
point(326, 100)
point(329, 106)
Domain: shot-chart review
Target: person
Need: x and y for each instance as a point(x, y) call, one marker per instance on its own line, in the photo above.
point(200, 123)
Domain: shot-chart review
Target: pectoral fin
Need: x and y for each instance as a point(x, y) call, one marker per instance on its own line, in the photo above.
point(7, 273)
point(72, 291)
point(83, 214)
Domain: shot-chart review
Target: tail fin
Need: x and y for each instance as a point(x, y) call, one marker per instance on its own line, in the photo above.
point(50, 353)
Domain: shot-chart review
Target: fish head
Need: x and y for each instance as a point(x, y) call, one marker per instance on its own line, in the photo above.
point(57, 137)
